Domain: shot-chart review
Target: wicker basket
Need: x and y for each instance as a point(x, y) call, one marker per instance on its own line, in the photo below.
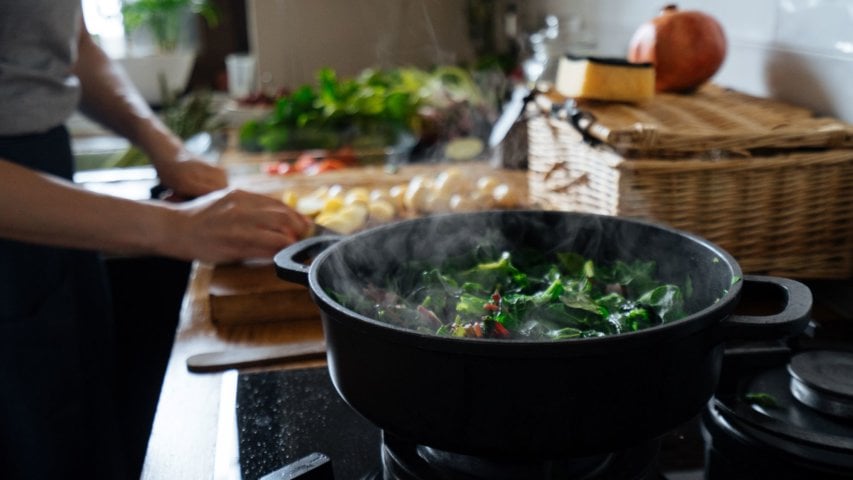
point(784, 211)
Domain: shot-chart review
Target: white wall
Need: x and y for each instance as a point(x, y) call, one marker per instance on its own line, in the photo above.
point(293, 39)
point(800, 51)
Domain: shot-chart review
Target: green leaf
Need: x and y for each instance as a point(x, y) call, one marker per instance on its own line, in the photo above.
point(666, 300)
point(761, 399)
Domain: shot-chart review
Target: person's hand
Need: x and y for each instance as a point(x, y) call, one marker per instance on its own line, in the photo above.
point(190, 177)
point(226, 226)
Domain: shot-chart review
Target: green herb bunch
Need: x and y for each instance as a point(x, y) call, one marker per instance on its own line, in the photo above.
point(374, 109)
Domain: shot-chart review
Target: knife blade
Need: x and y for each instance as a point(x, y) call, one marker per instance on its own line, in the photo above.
point(256, 356)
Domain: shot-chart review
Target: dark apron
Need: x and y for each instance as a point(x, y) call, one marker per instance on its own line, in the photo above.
point(57, 411)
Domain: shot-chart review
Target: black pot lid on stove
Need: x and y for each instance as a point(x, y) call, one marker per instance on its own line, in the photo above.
point(823, 380)
point(799, 409)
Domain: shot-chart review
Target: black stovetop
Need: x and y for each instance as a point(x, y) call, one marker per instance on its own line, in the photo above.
point(284, 416)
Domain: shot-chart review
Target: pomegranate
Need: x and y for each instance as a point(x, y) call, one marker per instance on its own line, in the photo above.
point(686, 47)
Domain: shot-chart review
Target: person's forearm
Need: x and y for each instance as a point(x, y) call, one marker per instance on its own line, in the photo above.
point(109, 97)
point(47, 210)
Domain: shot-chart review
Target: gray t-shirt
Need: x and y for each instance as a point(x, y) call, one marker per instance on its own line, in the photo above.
point(38, 46)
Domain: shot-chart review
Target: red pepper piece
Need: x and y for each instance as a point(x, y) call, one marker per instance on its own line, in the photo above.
point(304, 161)
point(326, 165)
point(501, 331)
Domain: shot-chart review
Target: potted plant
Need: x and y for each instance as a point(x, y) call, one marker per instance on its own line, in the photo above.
point(161, 56)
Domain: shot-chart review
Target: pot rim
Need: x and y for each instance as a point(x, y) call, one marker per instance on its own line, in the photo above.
point(696, 321)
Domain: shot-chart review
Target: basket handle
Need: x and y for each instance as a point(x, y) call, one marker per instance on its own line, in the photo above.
point(582, 121)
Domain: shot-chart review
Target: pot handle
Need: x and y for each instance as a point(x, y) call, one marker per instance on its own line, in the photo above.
point(290, 262)
point(793, 318)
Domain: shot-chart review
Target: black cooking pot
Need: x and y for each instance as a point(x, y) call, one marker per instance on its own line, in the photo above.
point(532, 399)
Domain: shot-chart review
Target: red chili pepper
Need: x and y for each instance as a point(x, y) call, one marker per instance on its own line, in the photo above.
point(285, 168)
point(279, 168)
point(345, 154)
point(303, 162)
point(495, 304)
point(324, 166)
point(501, 331)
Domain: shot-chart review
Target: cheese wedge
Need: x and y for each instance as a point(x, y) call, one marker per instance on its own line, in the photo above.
point(605, 79)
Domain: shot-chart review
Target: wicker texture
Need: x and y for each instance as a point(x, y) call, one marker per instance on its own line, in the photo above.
point(786, 212)
point(711, 120)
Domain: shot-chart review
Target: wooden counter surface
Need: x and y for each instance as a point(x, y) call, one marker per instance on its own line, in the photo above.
point(184, 434)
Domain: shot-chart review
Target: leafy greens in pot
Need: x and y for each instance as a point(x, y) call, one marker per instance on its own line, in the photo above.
point(522, 296)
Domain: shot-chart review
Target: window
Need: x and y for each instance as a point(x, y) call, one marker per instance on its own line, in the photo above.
point(103, 19)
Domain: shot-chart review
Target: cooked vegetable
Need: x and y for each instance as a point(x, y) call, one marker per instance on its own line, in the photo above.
point(525, 296)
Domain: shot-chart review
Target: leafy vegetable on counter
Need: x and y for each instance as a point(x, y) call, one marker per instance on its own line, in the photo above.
point(185, 117)
point(377, 108)
point(522, 296)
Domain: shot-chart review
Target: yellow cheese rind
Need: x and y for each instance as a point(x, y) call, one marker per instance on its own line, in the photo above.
point(587, 78)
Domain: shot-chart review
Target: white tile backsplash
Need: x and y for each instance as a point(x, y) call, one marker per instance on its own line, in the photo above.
point(820, 26)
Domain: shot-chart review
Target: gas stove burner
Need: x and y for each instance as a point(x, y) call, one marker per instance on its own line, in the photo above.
point(404, 460)
point(823, 380)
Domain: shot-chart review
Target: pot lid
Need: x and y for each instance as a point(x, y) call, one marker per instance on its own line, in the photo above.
point(823, 380)
point(766, 407)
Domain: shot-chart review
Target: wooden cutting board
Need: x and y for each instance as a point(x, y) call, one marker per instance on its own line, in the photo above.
point(252, 293)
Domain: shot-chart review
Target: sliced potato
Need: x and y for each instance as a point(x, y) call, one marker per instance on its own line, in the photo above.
point(381, 211)
point(462, 203)
point(357, 195)
point(335, 191)
point(348, 219)
point(487, 183)
point(418, 193)
point(398, 194)
point(310, 205)
point(378, 194)
point(449, 181)
point(290, 198)
point(332, 204)
point(320, 192)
